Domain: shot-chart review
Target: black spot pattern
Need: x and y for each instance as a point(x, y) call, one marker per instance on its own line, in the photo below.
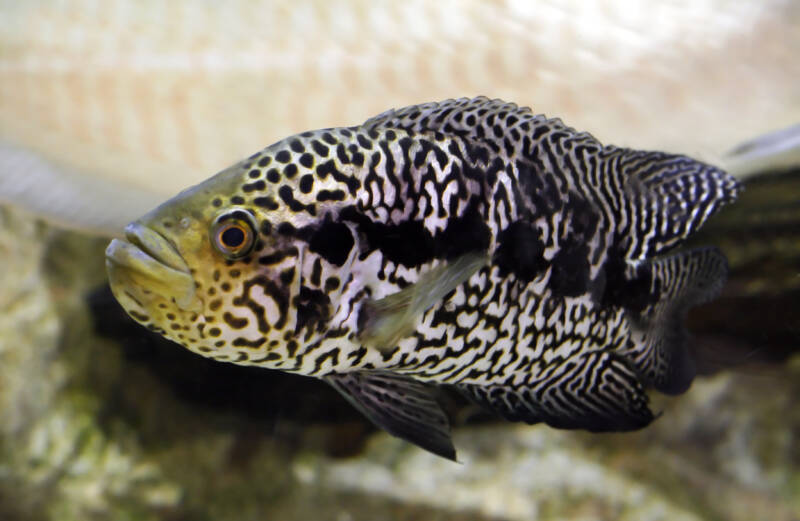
point(331, 240)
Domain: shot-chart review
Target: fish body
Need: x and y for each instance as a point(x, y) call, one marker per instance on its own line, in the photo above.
point(467, 242)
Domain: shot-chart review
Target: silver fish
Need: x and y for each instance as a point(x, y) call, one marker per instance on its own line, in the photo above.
point(468, 242)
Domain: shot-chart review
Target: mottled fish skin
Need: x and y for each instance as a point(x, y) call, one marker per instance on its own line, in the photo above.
point(575, 313)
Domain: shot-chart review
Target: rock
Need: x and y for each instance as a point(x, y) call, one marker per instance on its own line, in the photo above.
point(58, 459)
point(725, 450)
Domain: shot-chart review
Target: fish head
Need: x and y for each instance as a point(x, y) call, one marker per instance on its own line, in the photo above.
point(205, 269)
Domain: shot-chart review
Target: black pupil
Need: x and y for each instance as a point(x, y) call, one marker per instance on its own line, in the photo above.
point(233, 237)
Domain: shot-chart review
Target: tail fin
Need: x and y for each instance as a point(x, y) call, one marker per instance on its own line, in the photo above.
point(660, 349)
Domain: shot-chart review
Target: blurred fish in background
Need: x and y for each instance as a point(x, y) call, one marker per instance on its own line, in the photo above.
point(146, 98)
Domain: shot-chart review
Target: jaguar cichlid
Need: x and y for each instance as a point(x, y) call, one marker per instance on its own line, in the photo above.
point(468, 242)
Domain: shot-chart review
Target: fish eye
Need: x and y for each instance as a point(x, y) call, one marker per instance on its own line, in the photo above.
point(234, 234)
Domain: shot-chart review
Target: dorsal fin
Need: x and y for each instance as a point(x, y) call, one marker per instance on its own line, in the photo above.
point(474, 118)
point(654, 199)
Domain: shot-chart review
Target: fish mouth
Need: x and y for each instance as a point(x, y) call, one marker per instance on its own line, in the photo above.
point(147, 264)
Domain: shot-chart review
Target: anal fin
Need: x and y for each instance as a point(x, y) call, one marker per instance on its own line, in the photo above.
point(402, 406)
point(595, 391)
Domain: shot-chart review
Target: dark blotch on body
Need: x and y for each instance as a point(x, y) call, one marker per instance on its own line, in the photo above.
point(634, 294)
point(520, 251)
point(570, 270)
point(463, 234)
point(407, 243)
point(331, 240)
point(572, 263)
point(411, 244)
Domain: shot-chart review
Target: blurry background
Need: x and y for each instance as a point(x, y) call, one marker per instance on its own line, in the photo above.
point(157, 96)
point(109, 107)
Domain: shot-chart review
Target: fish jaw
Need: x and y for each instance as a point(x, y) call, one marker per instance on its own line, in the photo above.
point(146, 269)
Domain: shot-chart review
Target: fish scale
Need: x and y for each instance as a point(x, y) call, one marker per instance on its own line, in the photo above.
point(467, 242)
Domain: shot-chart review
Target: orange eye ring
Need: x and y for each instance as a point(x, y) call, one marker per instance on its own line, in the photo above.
point(233, 234)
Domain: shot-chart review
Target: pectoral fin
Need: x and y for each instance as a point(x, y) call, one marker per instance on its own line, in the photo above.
point(386, 321)
point(402, 406)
